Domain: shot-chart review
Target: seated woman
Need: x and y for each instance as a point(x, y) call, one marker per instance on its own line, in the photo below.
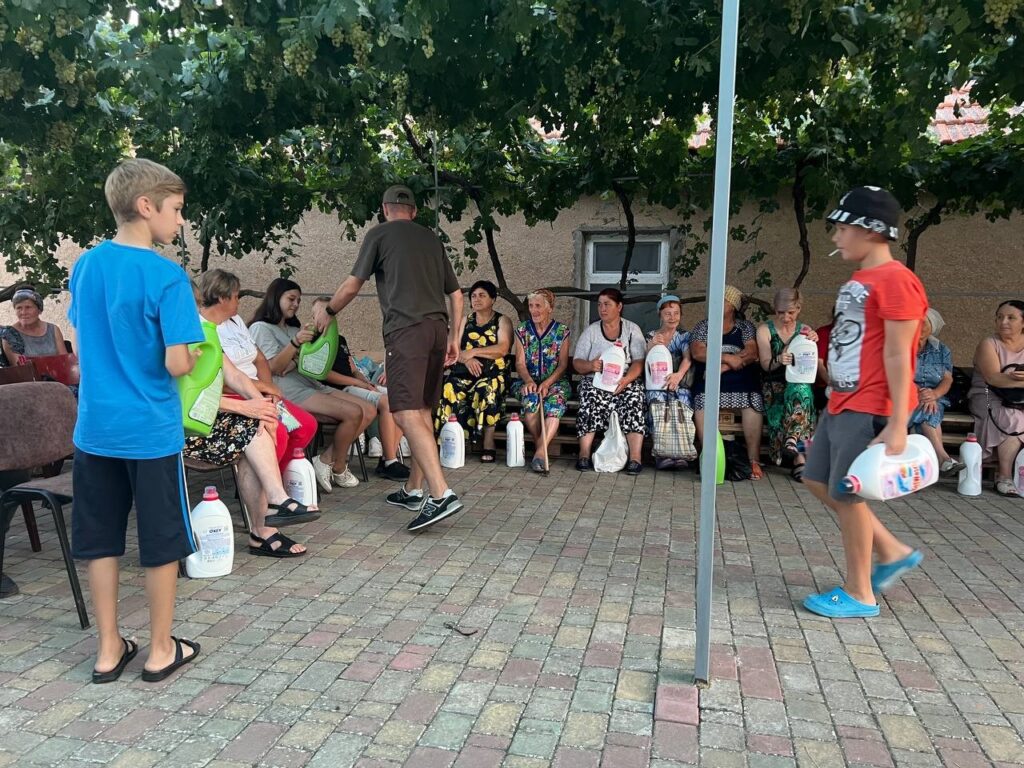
point(30, 336)
point(741, 385)
point(218, 303)
point(279, 335)
point(999, 362)
point(933, 378)
point(347, 378)
point(542, 359)
point(628, 399)
point(677, 340)
point(789, 406)
point(474, 388)
point(11, 340)
point(245, 428)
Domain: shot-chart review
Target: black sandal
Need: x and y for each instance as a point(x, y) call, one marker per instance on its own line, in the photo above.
point(180, 660)
point(488, 455)
point(131, 649)
point(290, 512)
point(797, 473)
point(266, 548)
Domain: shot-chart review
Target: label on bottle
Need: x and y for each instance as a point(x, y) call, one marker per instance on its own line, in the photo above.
point(204, 409)
point(901, 479)
point(215, 544)
point(659, 372)
point(611, 375)
point(805, 363)
point(315, 363)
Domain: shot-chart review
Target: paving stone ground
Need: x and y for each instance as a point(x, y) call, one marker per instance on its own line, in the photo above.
point(579, 590)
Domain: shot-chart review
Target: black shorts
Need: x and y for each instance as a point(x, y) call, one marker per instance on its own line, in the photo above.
point(104, 490)
point(415, 365)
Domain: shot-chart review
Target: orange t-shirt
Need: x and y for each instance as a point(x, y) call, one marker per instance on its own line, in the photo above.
point(856, 366)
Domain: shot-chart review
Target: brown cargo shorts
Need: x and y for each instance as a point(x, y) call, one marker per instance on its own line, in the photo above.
point(414, 365)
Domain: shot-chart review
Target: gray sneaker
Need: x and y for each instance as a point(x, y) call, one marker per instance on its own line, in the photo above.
point(402, 498)
point(434, 511)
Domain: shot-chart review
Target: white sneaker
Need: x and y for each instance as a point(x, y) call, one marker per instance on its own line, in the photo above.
point(346, 479)
point(403, 447)
point(323, 474)
point(375, 450)
point(362, 445)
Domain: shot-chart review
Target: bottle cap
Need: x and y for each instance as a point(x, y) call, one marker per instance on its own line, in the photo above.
point(514, 417)
point(210, 494)
point(298, 453)
point(849, 484)
point(452, 418)
point(971, 437)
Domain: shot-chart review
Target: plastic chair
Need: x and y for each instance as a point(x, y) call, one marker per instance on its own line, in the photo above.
point(39, 425)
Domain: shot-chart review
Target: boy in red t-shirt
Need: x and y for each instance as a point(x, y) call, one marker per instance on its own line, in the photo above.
point(872, 352)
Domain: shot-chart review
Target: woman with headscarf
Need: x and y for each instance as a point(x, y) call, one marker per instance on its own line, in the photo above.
point(933, 377)
point(741, 385)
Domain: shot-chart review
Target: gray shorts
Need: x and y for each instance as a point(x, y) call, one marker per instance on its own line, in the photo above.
point(838, 440)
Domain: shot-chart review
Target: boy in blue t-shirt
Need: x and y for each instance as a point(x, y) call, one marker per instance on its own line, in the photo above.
point(134, 315)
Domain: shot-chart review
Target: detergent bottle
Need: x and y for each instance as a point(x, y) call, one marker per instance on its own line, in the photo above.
point(613, 368)
point(658, 367)
point(453, 444)
point(874, 475)
point(316, 358)
point(214, 538)
point(515, 443)
point(299, 479)
point(804, 368)
point(720, 452)
point(969, 481)
point(201, 388)
point(1018, 472)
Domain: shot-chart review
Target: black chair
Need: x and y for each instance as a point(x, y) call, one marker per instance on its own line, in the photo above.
point(39, 425)
point(194, 465)
point(325, 428)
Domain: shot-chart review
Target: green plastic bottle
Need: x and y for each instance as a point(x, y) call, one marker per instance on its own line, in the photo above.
point(316, 358)
point(720, 448)
point(201, 389)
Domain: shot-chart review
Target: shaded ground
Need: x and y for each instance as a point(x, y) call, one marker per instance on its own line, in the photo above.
point(580, 589)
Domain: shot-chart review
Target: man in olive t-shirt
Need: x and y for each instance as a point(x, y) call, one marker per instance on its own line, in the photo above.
point(421, 302)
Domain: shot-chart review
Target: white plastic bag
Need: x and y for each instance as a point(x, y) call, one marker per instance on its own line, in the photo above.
point(613, 451)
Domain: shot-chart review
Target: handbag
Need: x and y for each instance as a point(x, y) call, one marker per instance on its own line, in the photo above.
point(674, 432)
point(613, 451)
point(1011, 398)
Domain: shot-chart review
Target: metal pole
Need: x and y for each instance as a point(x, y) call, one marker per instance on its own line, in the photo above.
point(716, 304)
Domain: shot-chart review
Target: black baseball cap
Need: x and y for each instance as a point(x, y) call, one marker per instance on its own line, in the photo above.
point(399, 194)
point(872, 208)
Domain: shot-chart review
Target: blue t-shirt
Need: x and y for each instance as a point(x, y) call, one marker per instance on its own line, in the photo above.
point(127, 306)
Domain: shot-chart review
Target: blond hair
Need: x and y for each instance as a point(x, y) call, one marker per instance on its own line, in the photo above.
point(136, 177)
point(787, 297)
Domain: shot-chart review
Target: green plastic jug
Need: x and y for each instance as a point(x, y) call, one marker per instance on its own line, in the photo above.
point(316, 358)
point(720, 450)
point(201, 389)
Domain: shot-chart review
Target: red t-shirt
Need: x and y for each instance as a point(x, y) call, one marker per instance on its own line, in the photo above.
point(856, 365)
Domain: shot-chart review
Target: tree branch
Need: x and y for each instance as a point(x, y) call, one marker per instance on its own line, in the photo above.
point(627, 210)
point(800, 211)
point(7, 293)
point(931, 218)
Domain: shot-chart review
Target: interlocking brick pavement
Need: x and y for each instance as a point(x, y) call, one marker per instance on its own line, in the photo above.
point(579, 592)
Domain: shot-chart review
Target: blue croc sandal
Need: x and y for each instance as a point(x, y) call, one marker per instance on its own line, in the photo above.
point(837, 604)
point(884, 576)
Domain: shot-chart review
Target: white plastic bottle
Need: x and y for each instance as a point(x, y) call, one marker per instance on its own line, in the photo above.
point(214, 538)
point(1018, 472)
point(874, 475)
point(804, 368)
point(453, 445)
point(515, 442)
point(613, 368)
point(969, 481)
point(299, 479)
point(658, 367)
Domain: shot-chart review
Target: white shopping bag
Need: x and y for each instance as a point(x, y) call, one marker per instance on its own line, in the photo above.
point(613, 451)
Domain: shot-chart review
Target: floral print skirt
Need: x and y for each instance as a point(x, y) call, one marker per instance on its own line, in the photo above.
point(231, 434)
point(596, 406)
point(790, 415)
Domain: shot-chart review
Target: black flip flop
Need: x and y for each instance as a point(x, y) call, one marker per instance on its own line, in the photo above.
point(180, 660)
point(290, 512)
point(131, 649)
point(265, 549)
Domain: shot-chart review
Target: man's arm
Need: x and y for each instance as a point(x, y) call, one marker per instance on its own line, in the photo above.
point(455, 306)
point(342, 297)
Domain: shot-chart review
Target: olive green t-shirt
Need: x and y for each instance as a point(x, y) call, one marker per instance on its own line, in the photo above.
point(413, 273)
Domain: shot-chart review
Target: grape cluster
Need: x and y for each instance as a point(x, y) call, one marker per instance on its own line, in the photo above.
point(298, 56)
point(796, 15)
point(999, 12)
point(361, 43)
point(64, 23)
point(428, 40)
point(61, 135)
point(236, 10)
point(65, 70)
point(338, 36)
point(29, 42)
point(10, 83)
point(249, 80)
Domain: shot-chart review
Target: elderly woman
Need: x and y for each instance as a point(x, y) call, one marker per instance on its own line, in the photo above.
point(999, 362)
point(278, 334)
point(30, 336)
point(542, 359)
point(789, 407)
point(933, 378)
point(741, 386)
point(628, 399)
point(474, 387)
point(674, 337)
